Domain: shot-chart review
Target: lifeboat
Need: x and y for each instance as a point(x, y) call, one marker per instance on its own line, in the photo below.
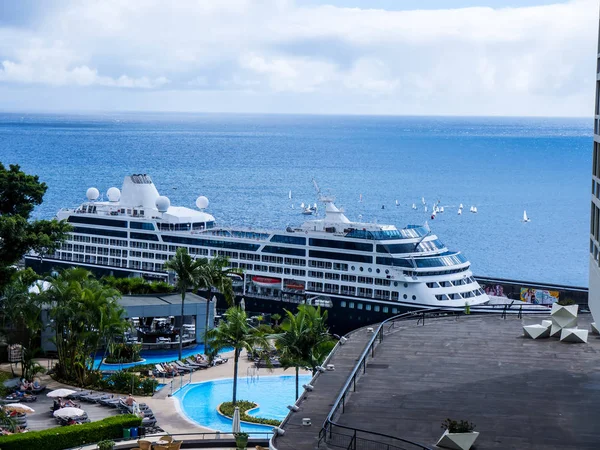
point(267, 282)
point(297, 286)
point(236, 279)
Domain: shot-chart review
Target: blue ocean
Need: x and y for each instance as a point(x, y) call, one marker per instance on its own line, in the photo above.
point(247, 165)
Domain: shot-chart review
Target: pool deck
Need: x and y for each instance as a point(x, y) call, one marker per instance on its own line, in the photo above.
point(520, 393)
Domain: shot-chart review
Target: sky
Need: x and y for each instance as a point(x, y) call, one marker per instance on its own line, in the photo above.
point(399, 57)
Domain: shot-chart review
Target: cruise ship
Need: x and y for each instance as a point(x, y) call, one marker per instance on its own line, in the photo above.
point(361, 272)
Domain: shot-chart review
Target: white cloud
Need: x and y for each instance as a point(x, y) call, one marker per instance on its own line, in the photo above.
point(536, 60)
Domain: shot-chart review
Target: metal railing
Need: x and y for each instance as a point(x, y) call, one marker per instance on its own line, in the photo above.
point(350, 438)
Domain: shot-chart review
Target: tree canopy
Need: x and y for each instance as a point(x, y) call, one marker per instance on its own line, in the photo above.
point(20, 193)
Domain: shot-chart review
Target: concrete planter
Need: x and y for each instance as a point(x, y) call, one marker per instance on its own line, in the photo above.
point(457, 441)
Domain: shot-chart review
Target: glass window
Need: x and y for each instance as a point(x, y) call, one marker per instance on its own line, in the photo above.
point(394, 310)
point(144, 236)
point(361, 269)
point(343, 304)
point(351, 305)
point(345, 245)
point(368, 307)
point(378, 270)
point(370, 270)
point(414, 297)
point(385, 309)
point(359, 306)
point(284, 250)
point(376, 309)
point(98, 221)
point(353, 268)
point(405, 296)
point(341, 256)
point(142, 225)
point(100, 231)
point(296, 240)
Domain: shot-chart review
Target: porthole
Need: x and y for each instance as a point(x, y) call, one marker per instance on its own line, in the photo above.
point(378, 271)
point(405, 285)
point(370, 270)
point(405, 297)
point(361, 269)
point(395, 284)
point(387, 271)
point(414, 297)
point(352, 268)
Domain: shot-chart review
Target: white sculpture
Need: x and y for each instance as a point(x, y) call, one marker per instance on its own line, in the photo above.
point(578, 335)
point(563, 317)
point(537, 331)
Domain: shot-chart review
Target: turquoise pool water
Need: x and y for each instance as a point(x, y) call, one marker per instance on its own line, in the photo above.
point(153, 357)
point(199, 401)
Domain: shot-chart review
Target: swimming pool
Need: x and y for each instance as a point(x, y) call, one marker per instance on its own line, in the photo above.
point(199, 401)
point(153, 357)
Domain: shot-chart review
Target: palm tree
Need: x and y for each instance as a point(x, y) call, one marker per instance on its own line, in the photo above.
point(290, 342)
point(235, 332)
point(305, 340)
point(190, 275)
point(216, 275)
point(84, 312)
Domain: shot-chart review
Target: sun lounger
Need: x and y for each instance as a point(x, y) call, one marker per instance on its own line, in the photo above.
point(199, 365)
point(95, 398)
point(162, 371)
point(185, 367)
point(78, 395)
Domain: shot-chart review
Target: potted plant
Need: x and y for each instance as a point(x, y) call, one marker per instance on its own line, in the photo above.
point(458, 435)
point(106, 445)
point(241, 440)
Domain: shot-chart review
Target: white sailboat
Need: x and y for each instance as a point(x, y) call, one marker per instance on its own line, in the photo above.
point(360, 198)
point(425, 208)
point(460, 206)
point(525, 218)
point(473, 209)
point(459, 211)
point(423, 200)
point(290, 195)
point(441, 209)
point(397, 204)
point(414, 206)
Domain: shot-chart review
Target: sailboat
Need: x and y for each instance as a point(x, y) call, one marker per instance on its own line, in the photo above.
point(414, 206)
point(473, 209)
point(525, 218)
point(425, 208)
point(460, 206)
point(441, 209)
point(459, 211)
point(360, 198)
point(423, 200)
point(397, 204)
point(290, 195)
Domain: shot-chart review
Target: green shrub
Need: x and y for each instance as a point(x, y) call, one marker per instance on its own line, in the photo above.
point(71, 436)
point(106, 445)
point(454, 426)
point(227, 409)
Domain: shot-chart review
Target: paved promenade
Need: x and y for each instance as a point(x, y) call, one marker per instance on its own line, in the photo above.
point(520, 393)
